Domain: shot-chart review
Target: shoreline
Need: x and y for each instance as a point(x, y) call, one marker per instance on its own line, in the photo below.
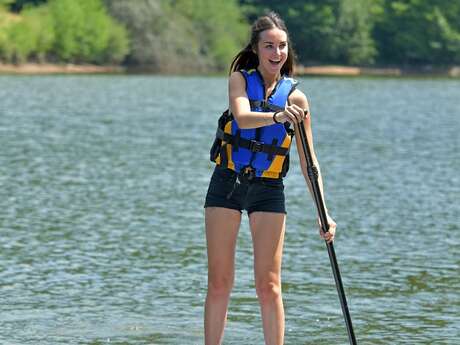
point(47, 68)
point(347, 71)
point(319, 70)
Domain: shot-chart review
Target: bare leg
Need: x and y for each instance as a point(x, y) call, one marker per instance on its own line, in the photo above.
point(267, 231)
point(222, 227)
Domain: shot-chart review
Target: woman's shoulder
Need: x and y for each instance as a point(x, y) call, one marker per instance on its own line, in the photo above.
point(236, 75)
point(299, 98)
point(236, 80)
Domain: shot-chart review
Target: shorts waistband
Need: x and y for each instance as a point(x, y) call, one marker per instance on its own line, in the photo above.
point(248, 175)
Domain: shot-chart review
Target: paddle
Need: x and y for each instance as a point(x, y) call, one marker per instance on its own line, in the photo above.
point(313, 177)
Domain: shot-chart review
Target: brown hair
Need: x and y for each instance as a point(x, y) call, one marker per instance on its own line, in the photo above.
point(247, 59)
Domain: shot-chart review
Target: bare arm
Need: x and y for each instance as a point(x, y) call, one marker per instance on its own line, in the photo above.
point(299, 99)
point(241, 109)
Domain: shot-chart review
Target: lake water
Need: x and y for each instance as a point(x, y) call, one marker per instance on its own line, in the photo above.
point(102, 181)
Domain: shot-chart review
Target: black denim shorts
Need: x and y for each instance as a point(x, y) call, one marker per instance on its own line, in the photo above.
point(229, 190)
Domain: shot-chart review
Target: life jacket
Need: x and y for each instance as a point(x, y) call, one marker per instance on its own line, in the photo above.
point(263, 151)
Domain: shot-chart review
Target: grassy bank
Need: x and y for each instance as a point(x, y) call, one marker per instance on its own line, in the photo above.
point(34, 68)
point(331, 70)
point(324, 70)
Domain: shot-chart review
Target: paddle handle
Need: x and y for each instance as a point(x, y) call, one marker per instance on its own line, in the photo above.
point(313, 176)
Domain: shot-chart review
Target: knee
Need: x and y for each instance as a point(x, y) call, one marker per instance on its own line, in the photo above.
point(220, 287)
point(268, 291)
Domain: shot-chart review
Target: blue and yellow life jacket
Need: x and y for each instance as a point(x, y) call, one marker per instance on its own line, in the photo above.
point(264, 150)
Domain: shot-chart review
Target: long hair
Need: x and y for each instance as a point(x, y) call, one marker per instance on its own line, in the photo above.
point(247, 59)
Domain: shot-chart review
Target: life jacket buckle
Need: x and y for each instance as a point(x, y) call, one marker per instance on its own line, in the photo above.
point(247, 174)
point(255, 146)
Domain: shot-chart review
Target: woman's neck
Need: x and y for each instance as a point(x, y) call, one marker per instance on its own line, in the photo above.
point(269, 79)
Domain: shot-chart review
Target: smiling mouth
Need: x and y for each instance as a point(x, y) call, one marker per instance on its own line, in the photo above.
point(275, 62)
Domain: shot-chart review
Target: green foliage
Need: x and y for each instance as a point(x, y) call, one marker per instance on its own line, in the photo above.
point(449, 35)
point(364, 31)
point(313, 31)
point(311, 25)
point(181, 35)
point(118, 45)
point(5, 47)
point(40, 22)
point(419, 32)
point(18, 5)
point(85, 32)
point(220, 24)
point(63, 30)
point(161, 40)
point(329, 31)
point(353, 43)
point(5, 3)
point(30, 35)
point(204, 35)
point(22, 37)
point(22, 41)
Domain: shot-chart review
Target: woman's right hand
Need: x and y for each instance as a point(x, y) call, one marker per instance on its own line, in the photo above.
point(293, 114)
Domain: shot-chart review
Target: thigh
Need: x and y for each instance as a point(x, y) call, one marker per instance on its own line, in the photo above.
point(267, 230)
point(222, 227)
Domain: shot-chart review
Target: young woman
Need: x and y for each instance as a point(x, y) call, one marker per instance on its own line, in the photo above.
point(251, 154)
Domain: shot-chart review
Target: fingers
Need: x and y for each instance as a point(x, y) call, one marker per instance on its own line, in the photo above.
point(295, 114)
point(330, 234)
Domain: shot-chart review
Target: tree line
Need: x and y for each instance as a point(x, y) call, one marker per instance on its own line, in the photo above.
point(60, 31)
point(204, 35)
point(370, 32)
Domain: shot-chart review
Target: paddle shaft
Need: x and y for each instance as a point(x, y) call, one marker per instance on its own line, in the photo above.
point(313, 174)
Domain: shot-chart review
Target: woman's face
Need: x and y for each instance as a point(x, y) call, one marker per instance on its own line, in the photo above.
point(272, 50)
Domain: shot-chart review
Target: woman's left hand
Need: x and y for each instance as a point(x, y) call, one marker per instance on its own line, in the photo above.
point(330, 234)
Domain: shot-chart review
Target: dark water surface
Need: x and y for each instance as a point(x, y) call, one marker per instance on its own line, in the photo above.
point(102, 180)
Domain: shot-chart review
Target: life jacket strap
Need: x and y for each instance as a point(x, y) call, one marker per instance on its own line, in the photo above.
point(264, 105)
point(252, 145)
point(272, 154)
point(236, 141)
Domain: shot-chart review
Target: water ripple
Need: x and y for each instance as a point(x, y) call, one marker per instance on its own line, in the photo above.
point(102, 185)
